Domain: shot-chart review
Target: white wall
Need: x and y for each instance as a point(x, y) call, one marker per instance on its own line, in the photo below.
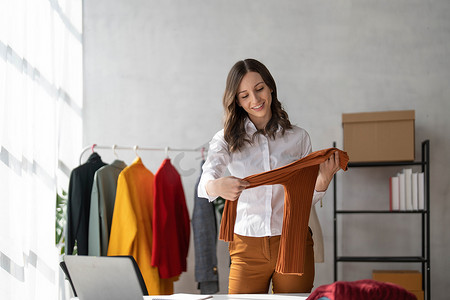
point(155, 72)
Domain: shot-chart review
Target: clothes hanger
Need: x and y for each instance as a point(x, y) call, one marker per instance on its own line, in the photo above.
point(167, 152)
point(135, 150)
point(93, 146)
point(203, 153)
point(114, 150)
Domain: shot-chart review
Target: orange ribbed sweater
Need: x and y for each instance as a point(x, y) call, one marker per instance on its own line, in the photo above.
point(299, 179)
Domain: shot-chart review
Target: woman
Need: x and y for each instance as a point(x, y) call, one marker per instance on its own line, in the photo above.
point(258, 137)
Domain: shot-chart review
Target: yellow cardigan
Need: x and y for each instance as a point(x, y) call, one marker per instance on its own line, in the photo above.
point(131, 228)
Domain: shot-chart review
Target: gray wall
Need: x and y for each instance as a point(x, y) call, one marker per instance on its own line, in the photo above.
point(154, 74)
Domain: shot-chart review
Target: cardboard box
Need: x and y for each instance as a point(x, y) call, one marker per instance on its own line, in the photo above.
point(418, 294)
point(410, 280)
point(379, 136)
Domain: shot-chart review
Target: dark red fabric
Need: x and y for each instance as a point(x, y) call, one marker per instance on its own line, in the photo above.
point(366, 289)
point(171, 224)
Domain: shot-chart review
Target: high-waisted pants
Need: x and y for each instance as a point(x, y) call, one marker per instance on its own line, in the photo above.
point(253, 261)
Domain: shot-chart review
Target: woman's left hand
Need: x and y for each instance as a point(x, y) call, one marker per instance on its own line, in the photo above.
point(327, 169)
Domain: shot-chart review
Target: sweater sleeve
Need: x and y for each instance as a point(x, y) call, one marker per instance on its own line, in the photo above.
point(306, 147)
point(124, 223)
point(73, 194)
point(94, 222)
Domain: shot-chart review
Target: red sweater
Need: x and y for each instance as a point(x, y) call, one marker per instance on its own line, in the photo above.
point(171, 224)
point(366, 289)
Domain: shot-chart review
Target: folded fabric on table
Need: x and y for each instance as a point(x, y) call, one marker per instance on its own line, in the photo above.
point(366, 289)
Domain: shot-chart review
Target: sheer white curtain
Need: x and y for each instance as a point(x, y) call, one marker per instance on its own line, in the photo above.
point(40, 137)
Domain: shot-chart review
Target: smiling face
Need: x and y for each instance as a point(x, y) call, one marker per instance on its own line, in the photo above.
point(255, 97)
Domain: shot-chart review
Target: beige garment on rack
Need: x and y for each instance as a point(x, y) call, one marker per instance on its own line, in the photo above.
point(317, 236)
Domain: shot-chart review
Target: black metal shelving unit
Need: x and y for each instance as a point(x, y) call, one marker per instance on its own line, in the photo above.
point(424, 259)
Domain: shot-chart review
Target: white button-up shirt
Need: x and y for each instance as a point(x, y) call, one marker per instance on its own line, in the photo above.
point(260, 209)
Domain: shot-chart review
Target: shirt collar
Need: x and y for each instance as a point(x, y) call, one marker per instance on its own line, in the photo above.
point(118, 164)
point(137, 160)
point(250, 128)
point(94, 157)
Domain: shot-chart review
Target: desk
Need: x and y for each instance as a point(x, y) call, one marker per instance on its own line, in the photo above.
point(246, 297)
point(250, 297)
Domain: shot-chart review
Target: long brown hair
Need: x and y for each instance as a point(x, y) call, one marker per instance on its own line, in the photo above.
point(234, 125)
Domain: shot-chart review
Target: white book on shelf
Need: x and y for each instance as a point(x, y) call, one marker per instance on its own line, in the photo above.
point(408, 194)
point(414, 191)
point(401, 189)
point(421, 190)
point(394, 194)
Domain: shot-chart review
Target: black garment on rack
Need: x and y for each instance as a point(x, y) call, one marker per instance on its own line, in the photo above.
point(204, 226)
point(79, 203)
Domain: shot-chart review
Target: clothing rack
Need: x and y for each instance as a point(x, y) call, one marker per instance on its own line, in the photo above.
point(135, 148)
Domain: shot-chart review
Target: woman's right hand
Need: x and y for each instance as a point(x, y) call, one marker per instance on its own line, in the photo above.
point(229, 188)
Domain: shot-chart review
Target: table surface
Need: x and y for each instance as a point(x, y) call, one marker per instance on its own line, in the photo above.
point(235, 297)
point(246, 297)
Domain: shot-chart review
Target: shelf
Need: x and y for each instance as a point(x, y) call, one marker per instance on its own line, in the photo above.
point(424, 258)
point(384, 164)
point(381, 212)
point(399, 259)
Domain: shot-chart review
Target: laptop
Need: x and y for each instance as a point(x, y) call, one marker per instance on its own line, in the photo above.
point(103, 277)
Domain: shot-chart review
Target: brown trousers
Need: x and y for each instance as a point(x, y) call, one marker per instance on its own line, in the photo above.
point(253, 261)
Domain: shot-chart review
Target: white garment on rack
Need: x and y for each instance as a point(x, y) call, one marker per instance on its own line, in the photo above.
point(314, 224)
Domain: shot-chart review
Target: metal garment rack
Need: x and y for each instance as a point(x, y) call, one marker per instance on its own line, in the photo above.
point(135, 148)
point(424, 259)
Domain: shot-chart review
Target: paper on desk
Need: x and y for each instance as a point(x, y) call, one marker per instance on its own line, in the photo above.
point(182, 296)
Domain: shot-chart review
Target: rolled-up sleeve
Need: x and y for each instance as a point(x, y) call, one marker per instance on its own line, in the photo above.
point(317, 196)
point(215, 165)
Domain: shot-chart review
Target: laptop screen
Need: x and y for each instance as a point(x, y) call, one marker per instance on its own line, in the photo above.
point(103, 277)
